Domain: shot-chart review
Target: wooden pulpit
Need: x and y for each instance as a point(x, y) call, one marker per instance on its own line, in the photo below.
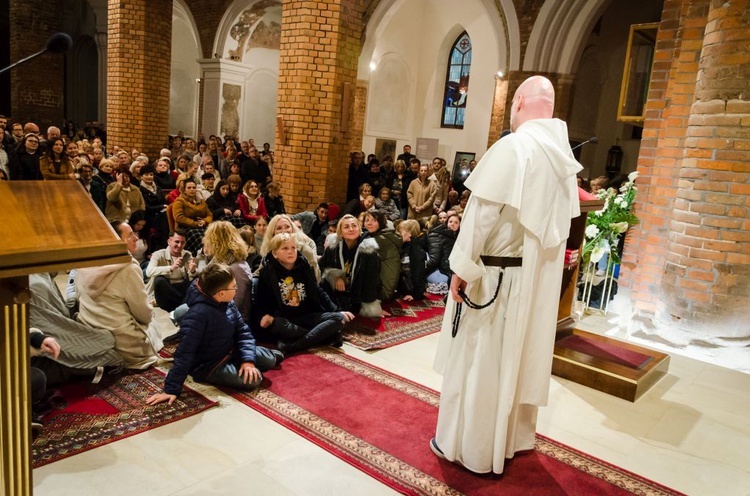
point(48, 226)
point(609, 365)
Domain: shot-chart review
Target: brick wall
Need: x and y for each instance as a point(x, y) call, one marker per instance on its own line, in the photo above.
point(359, 112)
point(527, 12)
point(207, 15)
point(36, 86)
point(320, 46)
point(497, 117)
point(671, 94)
point(707, 271)
point(138, 74)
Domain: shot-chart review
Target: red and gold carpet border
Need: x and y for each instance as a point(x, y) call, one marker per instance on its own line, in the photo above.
point(68, 434)
point(397, 473)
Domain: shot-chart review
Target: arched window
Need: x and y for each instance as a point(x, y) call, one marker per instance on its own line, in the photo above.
point(457, 83)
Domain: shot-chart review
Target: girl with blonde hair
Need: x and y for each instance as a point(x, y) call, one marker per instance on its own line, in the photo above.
point(284, 224)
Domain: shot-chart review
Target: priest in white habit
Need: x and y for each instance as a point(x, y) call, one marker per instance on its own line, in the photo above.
point(498, 333)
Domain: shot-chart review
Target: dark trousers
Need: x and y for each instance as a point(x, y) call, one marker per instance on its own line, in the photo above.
point(307, 331)
point(169, 295)
point(225, 374)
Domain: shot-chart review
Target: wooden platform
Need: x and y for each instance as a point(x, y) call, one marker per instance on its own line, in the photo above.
point(614, 367)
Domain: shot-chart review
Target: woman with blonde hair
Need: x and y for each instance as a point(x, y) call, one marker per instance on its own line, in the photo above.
point(290, 307)
point(351, 269)
point(223, 244)
point(284, 224)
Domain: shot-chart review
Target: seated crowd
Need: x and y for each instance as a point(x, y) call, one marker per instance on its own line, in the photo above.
point(212, 243)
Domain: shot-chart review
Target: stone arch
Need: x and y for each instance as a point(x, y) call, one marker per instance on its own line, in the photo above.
point(185, 71)
point(559, 31)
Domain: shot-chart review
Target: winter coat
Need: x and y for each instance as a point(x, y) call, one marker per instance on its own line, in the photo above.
point(47, 168)
point(243, 203)
point(363, 279)
point(389, 250)
point(186, 212)
point(389, 208)
point(413, 280)
point(155, 201)
point(440, 243)
point(113, 297)
point(209, 332)
point(274, 206)
point(122, 203)
point(217, 203)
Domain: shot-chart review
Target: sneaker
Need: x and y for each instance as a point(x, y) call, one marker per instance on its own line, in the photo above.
point(437, 451)
point(279, 355)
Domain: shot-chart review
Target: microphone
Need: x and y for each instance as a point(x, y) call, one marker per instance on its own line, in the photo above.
point(593, 139)
point(57, 43)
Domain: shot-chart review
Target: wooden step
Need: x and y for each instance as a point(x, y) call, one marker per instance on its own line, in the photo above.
point(609, 365)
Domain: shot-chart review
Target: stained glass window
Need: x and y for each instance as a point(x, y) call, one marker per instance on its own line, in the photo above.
point(457, 83)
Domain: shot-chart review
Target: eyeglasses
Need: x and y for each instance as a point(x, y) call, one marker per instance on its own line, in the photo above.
point(134, 236)
point(230, 289)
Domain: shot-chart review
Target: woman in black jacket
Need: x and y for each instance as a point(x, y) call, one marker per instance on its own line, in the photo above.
point(413, 281)
point(223, 205)
point(440, 243)
point(351, 270)
point(290, 305)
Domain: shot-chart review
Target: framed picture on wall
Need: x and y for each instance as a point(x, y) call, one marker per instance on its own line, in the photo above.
point(462, 157)
point(385, 147)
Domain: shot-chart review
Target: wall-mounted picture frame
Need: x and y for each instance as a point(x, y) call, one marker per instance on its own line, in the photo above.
point(461, 157)
point(385, 147)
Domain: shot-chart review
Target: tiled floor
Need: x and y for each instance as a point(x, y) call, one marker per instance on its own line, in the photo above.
point(690, 432)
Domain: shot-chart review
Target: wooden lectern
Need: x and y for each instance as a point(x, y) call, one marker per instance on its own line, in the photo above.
point(615, 367)
point(49, 226)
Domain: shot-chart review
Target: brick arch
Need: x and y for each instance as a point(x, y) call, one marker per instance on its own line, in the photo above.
point(559, 32)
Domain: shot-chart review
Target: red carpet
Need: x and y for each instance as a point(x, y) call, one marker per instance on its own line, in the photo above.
point(98, 414)
point(382, 423)
point(409, 320)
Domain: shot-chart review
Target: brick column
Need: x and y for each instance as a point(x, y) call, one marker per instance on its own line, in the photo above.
point(139, 49)
point(671, 93)
point(36, 86)
point(359, 113)
point(706, 286)
point(497, 117)
point(320, 46)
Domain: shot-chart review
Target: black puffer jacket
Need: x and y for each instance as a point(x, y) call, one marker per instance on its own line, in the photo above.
point(440, 243)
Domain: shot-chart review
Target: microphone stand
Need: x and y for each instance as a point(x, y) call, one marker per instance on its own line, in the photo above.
point(11, 66)
point(593, 139)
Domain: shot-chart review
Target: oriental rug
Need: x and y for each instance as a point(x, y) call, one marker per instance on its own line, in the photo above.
point(382, 423)
point(99, 414)
point(409, 320)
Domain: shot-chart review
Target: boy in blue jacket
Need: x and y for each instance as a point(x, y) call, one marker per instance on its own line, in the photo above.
point(217, 346)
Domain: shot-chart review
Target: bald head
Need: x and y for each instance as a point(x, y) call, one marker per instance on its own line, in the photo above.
point(534, 99)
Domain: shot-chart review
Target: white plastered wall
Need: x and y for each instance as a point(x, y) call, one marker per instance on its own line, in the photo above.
point(408, 41)
point(184, 88)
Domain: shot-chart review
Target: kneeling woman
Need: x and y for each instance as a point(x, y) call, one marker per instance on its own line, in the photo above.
point(351, 270)
point(290, 305)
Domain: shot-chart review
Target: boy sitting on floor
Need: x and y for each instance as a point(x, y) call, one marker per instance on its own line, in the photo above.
point(217, 346)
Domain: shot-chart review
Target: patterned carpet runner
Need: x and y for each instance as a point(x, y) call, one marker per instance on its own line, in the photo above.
point(408, 321)
point(381, 423)
point(99, 414)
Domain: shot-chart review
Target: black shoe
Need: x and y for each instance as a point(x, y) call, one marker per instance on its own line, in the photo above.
point(279, 355)
point(338, 340)
point(434, 447)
